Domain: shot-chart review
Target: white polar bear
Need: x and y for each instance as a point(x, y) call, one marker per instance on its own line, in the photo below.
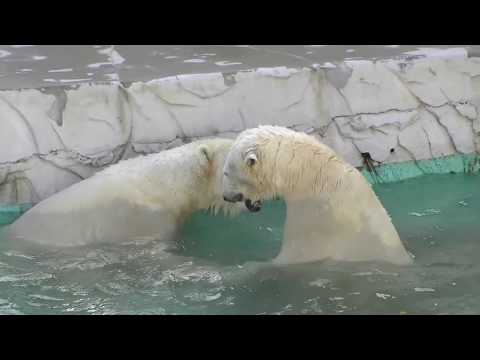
point(332, 211)
point(146, 197)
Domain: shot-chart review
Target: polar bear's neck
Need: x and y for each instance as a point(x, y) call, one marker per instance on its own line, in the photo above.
point(195, 182)
point(180, 179)
point(300, 166)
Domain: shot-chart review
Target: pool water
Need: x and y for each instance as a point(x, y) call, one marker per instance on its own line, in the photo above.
point(217, 269)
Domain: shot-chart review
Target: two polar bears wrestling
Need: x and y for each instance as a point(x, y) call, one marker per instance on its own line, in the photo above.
point(332, 212)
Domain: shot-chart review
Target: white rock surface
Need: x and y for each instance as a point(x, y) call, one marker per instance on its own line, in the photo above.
point(94, 119)
point(458, 127)
point(25, 124)
point(372, 88)
point(426, 138)
point(395, 110)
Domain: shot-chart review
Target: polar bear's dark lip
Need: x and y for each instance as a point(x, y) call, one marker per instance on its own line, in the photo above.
point(254, 206)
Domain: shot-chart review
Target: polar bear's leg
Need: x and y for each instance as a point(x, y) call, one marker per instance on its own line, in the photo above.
point(310, 232)
point(320, 228)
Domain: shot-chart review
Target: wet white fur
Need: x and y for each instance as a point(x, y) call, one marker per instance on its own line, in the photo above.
point(147, 197)
point(332, 211)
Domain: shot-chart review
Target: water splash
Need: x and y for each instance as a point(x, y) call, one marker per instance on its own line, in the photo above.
point(427, 212)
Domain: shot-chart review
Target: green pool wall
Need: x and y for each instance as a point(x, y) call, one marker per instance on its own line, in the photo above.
point(381, 174)
point(389, 173)
point(10, 213)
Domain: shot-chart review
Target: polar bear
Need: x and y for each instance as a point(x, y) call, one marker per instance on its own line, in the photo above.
point(146, 197)
point(332, 211)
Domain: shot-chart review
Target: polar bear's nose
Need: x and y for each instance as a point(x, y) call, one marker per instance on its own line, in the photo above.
point(235, 198)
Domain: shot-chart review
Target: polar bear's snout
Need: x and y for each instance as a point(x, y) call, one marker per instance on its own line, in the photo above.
point(233, 198)
point(252, 206)
point(231, 191)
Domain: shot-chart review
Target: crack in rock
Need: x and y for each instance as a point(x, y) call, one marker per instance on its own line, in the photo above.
point(165, 101)
point(375, 122)
point(58, 107)
point(339, 75)
point(242, 118)
point(59, 137)
point(302, 97)
point(179, 126)
point(415, 161)
point(437, 118)
point(459, 132)
point(200, 95)
point(95, 159)
point(123, 115)
point(375, 113)
point(103, 121)
point(467, 110)
point(428, 141)
point(61, 167)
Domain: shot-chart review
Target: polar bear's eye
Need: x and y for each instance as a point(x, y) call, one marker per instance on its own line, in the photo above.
point(251, 159)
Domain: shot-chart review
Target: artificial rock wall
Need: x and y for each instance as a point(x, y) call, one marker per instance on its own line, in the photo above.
point(371, 112)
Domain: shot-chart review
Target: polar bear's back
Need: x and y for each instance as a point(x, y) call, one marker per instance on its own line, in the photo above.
point(146, 196)
point(133, 198)
point(91, 210)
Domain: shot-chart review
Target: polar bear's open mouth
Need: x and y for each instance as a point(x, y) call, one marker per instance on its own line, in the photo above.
point(254, 206)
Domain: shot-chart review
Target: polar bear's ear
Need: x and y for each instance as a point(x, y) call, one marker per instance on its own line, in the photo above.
point(205, 151)
point(251, 159)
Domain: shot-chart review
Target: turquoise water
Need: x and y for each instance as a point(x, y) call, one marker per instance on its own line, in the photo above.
point(211, 271)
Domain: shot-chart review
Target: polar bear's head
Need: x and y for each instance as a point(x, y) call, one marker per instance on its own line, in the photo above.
point(239, 179)
point(249, 167)
point(268, 162)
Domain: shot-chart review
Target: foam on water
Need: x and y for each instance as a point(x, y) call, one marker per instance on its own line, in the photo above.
point(217, 267)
